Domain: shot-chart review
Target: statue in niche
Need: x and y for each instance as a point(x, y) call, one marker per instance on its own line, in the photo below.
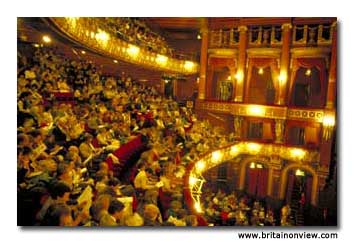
point(238, 126)
point(265, 37)
point(312, 34)
point(279, 130)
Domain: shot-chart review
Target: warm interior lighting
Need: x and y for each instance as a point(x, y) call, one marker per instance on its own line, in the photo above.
point(234, 150)
point(239, 76)
point(133, 50)
point(252, 165)
point(216, 156)
point(229, 77)
point(297, 153)
point(253, 147)
point(299, 172)
point(200, 166)
point(188, 65)
point(161, 59)
point(83, 52)
point(166, 81)
point(197, 207)
point(282, 77)
point(260, 71)
point(115, 61)
point(36, 45)
point(46, 39)
point(308, 72)
point(102, 36)
point(192, 181)
point(259, 166)
point(255, 110)
point(199, 37)
point(328, 121)
point(198, 80)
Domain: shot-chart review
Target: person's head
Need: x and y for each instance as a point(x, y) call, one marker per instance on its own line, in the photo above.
point(151, 212)
point(191, 220)
point(104, 167)
point(181, 214)
point(116, 209)
point(104, 201)
point(60, 191)
point(58, 215)
point(63, 169)
point(149, 172)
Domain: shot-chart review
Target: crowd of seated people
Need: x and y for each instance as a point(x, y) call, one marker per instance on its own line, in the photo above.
point(232, 209)
point(137, 32)
point(78, 162)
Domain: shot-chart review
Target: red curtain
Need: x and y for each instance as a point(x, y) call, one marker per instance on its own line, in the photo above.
point(262, 182)
point(263, 63)
point(291, 179)
point(308, 189)
point(252, 175)
point(222, 62)
point(319, 64)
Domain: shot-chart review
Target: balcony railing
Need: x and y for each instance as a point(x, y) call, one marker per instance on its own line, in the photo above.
point(271, 36)
point(263, 111)
point(194, 179)
point(87, 31)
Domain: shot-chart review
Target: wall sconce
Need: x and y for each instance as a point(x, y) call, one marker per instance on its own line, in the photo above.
point(216, 156)
point(260, 71)
point(328, 124)
point(256, 110)
point(239, 76)
point(297, 153)
point(282, 77)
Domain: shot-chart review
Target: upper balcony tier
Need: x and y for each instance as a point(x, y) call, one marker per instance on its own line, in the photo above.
point(96, 36)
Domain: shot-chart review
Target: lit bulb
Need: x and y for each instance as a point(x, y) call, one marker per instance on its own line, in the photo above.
point(46, 39)
point(308, 72)
point(260, 71)
point(200, 165)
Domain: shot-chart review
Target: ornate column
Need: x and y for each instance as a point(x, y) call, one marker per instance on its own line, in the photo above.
point(328, 126)
point(203, 59)
point(332, 80)
point(238, 90)
point(238, 126)
point(279, 130)
point(284, 63)
point(274, 177)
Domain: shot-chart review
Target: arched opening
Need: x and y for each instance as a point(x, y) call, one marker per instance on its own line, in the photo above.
point(312, 183)
point(256, 179)
point(299, 187)
point(307, 88)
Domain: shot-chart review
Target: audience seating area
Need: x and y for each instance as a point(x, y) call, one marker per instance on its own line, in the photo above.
point(108, 151)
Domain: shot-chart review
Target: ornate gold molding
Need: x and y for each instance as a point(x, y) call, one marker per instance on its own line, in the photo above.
point(286, 26)
point(310, 52)
point(264, 52)
point(98, 40)
point(263, 111)
point(223, 52)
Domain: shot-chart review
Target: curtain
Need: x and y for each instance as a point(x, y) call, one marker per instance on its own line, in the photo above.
point(320, 65)
point(311, 135)
point(267, 131)
point(291, 179)
point(263, 63)
point(252, 175)
point(308, 189)
point(262, 182)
